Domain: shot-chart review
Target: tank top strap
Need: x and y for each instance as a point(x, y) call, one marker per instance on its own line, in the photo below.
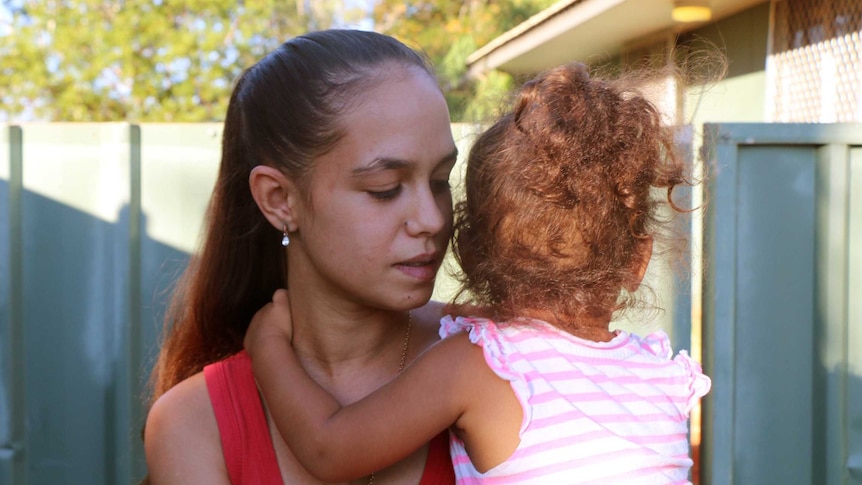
point(246, 442)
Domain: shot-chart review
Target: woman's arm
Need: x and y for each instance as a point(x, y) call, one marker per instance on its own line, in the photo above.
point(181, 439)
point(342, 443)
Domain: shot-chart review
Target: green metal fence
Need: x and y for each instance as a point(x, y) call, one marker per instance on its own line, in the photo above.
point(90, 245)
point(783, 304)
point(96, 221)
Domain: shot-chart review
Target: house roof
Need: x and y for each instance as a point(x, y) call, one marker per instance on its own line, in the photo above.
point(583, 30)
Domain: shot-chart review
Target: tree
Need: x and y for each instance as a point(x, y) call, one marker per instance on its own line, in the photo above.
point(141, 60)
point(449, 31)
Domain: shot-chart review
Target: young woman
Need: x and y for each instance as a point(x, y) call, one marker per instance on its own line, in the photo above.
point(333, 183)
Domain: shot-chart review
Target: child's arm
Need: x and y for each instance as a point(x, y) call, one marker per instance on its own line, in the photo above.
point(337, 443)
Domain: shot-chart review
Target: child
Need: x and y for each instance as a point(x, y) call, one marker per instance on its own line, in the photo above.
point(555, 233)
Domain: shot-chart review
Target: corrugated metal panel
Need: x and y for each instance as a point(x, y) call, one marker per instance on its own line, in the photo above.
point(83, 286)
point(12, 434)
point(781, 316)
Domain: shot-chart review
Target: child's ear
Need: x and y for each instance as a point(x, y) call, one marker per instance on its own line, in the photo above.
point(641, 263)
point(276, 196)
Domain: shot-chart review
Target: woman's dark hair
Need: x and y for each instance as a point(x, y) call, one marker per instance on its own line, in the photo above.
point(560, 198)
point(284, 112)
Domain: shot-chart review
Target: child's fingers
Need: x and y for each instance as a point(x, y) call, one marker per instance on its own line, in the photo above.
point(280, 297)
point(268, 323)
point(278, 314)
point(254, 330)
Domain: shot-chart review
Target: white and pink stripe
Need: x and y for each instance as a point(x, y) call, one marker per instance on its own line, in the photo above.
point(595, 412)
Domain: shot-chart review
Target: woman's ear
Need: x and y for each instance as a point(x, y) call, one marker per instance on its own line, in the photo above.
point(276, 196)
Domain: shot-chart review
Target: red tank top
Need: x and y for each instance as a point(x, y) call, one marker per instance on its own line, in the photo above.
point(248, 451)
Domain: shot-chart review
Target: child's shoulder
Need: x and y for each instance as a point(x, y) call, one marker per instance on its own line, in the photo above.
point(696, 384)
point(656, 343)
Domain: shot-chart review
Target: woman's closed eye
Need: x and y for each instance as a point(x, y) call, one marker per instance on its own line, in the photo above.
point(385, 194)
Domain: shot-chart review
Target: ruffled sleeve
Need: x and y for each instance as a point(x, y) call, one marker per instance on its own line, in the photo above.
point(450, 326)
point(698, 383)
point(695, 383)
point(484, 333)
point(501, 355)
point(658, 344)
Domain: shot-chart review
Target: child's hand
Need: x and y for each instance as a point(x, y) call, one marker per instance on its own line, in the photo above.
point(270, 323)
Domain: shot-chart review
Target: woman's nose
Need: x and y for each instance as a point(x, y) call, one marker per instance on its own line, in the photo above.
point(427, 216)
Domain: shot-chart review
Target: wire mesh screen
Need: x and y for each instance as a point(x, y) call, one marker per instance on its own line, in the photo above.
point(816, 61)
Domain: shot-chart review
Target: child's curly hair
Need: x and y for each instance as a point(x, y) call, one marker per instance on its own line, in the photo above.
point(560, 199)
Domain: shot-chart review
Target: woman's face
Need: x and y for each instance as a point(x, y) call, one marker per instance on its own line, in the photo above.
point(379, 217)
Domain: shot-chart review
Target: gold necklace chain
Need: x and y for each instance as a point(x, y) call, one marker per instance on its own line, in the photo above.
point(400, 364)
point(406, 344)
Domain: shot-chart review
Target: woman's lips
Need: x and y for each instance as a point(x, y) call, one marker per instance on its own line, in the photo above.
point(423, 268)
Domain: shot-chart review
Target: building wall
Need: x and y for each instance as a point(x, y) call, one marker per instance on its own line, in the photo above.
point(741, 95)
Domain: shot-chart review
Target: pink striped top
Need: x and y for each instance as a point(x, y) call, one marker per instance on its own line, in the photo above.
point(594, 412)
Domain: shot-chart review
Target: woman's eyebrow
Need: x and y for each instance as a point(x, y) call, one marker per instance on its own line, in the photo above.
point(380, 165)
point(386, 163)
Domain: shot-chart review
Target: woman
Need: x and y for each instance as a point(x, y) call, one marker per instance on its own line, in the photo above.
point(333, 183)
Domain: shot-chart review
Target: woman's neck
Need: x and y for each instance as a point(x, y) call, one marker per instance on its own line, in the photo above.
point(346, 347)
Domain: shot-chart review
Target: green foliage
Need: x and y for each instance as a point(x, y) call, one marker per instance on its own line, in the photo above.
point(176, 60)
point(141, 60)
point(449, 31)
point(491, 92)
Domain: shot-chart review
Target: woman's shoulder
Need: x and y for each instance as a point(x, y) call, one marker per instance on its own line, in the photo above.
point(181, 436)
point(185, 405)
point(426, 323)
point(429, 314)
